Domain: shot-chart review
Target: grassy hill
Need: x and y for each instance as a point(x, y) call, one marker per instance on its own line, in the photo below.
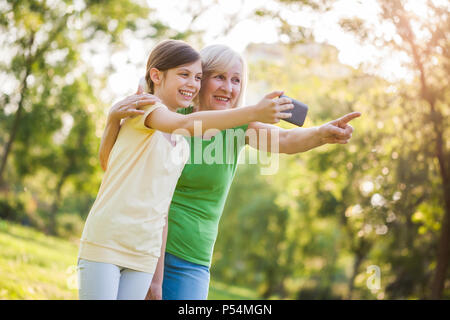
point(36, 266)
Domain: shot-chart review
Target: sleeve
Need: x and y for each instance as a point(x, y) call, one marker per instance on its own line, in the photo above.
point(138, 122)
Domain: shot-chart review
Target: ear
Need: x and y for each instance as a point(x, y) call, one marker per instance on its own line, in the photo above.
point(156, 76)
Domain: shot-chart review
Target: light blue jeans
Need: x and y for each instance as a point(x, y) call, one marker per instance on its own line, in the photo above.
point(104, 281)
point(184, 280)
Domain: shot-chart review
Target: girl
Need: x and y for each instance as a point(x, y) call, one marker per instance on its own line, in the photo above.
point(122, 237)
point(202, 189)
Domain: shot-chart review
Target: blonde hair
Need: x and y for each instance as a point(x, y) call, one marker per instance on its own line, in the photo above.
point(219, 58)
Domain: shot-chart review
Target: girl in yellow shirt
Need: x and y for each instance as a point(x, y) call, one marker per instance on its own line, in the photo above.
point(122, 237)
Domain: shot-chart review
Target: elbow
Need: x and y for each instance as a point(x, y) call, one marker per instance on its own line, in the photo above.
point(103, 162)
point(187, 125)
point(287, 150)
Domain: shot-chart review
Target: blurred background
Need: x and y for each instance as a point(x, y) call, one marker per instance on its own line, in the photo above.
point(366, 220)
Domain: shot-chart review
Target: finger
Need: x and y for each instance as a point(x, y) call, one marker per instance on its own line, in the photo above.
point(348, 128)
point(274, 94)
point(283, 115)
point(139, 103)
point(144, 103)
point(349, 117)
point(346, 131)
point(346, 137)
point(142, 87)
point(336, 131)
point(283, 100)
point(338, 141)
point(147, 96)
point(131, 113)
point(131, 100)
point(284, 107)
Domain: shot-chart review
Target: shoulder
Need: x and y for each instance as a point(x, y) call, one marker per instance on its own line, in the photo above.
point(138, 122)
point(152, 107)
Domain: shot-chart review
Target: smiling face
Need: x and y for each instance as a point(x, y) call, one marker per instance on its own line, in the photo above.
point(221, 90)
point(178, 86)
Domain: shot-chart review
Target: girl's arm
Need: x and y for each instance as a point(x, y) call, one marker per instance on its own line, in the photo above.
point(267, 110)
point(108, 139)
point(155, 290)
point(122, 109)
point(300, 139)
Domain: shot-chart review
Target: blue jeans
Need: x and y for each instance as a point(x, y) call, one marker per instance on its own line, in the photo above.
point(184, 280)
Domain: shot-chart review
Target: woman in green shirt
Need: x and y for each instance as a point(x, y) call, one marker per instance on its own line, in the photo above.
point(201, 191)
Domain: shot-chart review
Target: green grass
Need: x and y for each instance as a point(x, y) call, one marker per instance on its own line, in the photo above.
point(34, 266)
point(221, 291)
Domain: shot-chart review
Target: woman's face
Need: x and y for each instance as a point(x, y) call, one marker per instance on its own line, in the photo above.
point(220, 90)
point(180, 85)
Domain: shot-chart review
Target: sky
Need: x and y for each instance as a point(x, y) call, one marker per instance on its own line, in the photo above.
point(216, 15)
point(245, 30)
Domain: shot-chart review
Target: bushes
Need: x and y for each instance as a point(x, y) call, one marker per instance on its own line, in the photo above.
point(22, 208)
point(69, 226)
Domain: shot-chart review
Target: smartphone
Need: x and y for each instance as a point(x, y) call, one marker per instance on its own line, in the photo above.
point(298, 113)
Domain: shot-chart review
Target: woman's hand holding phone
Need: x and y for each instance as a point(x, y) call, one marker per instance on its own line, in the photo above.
point(270, 108)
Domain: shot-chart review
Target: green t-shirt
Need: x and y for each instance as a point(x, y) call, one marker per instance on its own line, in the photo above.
point(201, 192)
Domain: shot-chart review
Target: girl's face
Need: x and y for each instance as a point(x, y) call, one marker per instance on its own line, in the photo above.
point(180, 85)
point(221, 89)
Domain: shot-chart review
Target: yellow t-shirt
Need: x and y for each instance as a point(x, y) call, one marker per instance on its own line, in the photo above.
point(125, 224)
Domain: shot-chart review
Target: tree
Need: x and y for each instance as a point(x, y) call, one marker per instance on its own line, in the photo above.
point(51, 111)
point(430, 61)
point(424, 40)
point(46, 39)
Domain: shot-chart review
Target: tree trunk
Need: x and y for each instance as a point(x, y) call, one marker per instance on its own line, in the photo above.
point(15, 126)
point(351, 284)
point(440, 276)
point(55, 206)
point(443, 250)
point(30, 59)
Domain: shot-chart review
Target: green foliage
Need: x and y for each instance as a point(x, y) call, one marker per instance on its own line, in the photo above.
point(50, 120)
point(338, 209)
point(308, 232)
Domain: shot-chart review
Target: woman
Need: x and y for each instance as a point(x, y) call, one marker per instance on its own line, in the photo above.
point(122, 238)
point(203, 186)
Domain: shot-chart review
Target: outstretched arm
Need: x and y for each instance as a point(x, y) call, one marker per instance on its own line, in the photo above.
point(268, 110)
point(300, 139)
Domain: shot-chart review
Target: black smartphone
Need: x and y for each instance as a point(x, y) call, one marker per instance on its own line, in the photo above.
point(298, 113)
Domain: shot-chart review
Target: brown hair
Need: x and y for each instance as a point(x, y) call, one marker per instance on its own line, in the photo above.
point(169, 54)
